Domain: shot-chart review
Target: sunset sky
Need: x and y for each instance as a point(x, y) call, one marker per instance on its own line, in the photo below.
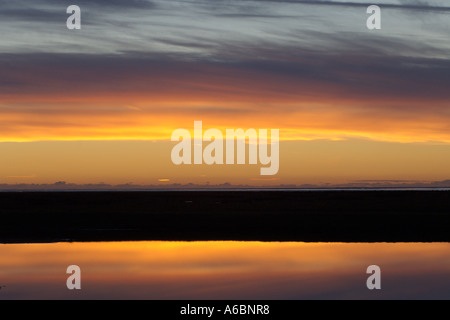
point(100, 104)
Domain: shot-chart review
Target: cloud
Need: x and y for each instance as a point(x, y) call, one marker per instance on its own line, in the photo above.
point(177, 26)
point(363, 92)
point(405, 5)
point(23, 177)
point(129, 4)
point(50, 11)
point(285, 72)
point(282, 61)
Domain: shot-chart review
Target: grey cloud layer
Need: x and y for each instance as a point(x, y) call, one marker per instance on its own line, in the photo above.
point(125, 45)
point(161, 26)
point(296, 73)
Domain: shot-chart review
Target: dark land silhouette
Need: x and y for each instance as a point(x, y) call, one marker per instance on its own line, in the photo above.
point(309, 216)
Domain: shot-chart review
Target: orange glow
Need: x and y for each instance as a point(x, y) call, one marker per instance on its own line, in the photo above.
point(156, 116)
point(230, 270)
point(144, 162)
point(221, 99)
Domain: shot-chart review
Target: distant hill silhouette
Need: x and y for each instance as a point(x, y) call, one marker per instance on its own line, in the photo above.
point(360, 184)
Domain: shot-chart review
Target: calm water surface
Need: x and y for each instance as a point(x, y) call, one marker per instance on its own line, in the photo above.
point(225, 270)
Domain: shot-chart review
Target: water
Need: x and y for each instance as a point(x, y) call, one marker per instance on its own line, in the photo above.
point(225, 270)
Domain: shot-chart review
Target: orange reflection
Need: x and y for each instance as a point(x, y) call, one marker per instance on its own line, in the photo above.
point(216, 270)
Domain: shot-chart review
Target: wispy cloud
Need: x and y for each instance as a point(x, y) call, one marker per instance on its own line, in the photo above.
point(23, 177)
point(308, 65)
point(347, 91)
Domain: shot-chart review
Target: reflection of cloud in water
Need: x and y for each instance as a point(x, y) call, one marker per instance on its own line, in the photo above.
point(225, 270)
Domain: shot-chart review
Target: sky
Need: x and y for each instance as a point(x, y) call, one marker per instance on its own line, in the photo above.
point(100, 104)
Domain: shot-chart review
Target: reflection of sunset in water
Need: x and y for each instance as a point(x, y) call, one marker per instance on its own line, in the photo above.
point(224, 270)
